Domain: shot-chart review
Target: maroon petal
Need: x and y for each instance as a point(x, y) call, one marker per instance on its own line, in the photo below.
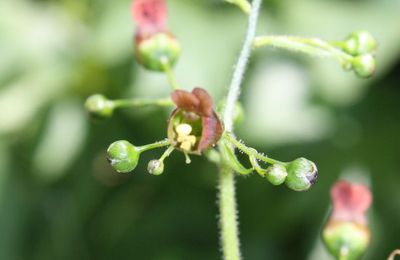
point(185, 100)
point(212, 131)
point(206, 104)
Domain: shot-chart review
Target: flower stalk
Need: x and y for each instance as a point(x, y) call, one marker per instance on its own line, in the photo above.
point(227, 200)
point(169, 72)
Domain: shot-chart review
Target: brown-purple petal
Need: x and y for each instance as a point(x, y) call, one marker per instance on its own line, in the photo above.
point(185, 100)
point(212, 131)
point(206, 104)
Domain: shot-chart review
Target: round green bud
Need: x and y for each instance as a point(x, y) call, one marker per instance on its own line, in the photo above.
point(360, 42)
point(302, 174)
point(99, 106)
point(276, 174)
point(123, 156)
point(364, 65)
point(151, 51)
point(346, 238)
point(238, 111)
point(155, 167)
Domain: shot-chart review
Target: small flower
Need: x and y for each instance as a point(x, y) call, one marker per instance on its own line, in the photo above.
point(347, 233)
point(193, 126)
point(154, 44)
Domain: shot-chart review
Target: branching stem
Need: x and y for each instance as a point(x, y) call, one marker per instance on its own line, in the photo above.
point(137, 102)
point(250, 151)
point(310, 46)
point(158, 144)
point(227, 200)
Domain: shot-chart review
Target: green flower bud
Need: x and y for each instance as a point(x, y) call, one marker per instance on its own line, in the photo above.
point(99, 106)
point(360, 42)
point(276, 174)
point(151, 51)
point(302, 174)
point(123, 156)
point(155, 167)
point(346, 238)
point(364, 65)
point(238, 111)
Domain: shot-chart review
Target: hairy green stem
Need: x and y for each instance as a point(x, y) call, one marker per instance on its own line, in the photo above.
point(250, 151)
point(137, 102)
point(227, 200)
point(169, 72)
point(229, 233)
point(158, 144)
point(311, 46)
point(167, 153)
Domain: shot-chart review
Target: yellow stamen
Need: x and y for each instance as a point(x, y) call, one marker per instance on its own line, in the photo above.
point(186, 140)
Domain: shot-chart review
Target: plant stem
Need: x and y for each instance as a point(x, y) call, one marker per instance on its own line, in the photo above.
point(167, 153)
point(229, 234)
point(311, 46)
point(158, 144)
point(227, 201)
point(250, 151)
point(170, 74)
point(136, 102)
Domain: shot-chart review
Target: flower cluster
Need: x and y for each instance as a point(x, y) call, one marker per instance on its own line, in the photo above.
point(361, 45)
point(193, 127)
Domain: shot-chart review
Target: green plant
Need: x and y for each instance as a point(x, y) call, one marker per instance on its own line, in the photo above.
point(194, 128)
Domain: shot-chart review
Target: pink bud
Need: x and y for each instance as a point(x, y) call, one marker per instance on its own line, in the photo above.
point(150, 15)
point(350, 202)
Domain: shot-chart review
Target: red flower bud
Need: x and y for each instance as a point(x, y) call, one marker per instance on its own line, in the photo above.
point(346, 235)
point(193, 126)
point(350, 202)
point(154, 44)
point(150, 16)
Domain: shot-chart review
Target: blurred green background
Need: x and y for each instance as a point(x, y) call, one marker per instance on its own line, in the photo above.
point(59, 199)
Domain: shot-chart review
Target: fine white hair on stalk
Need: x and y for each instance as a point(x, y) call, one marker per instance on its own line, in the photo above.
point(234, 88)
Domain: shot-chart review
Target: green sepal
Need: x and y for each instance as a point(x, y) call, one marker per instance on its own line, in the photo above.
point(152, 52)
point(349, 236)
